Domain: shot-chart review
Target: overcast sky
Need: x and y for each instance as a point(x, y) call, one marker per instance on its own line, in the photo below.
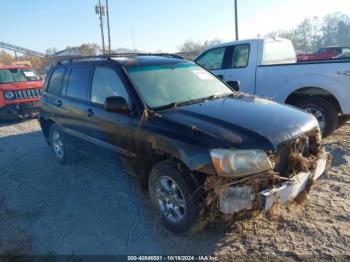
point(156, 24)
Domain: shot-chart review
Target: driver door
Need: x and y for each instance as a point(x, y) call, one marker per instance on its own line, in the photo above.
point(111, 132)
point(214, 60)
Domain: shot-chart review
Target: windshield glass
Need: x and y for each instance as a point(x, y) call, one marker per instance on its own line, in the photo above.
point(177, 83)
point(18, 75)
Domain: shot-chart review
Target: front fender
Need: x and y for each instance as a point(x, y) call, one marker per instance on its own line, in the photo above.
point(195, 158)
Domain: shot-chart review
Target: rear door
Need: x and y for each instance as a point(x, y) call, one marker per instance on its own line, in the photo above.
point(240, 66)
point(111, 132)
point(74, 106)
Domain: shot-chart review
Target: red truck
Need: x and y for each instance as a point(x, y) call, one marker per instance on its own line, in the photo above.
point(323, 53)
point(20, 90)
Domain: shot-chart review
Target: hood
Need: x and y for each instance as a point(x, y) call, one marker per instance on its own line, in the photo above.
point(243, 122)
point(21, 85)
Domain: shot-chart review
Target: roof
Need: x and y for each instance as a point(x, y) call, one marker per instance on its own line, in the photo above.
point(140, 60)
point(129, 60)
point(262, 39)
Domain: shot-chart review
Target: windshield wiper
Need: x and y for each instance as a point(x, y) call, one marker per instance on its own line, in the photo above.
point(167, 106)
point(193, 101)
point(220, 96)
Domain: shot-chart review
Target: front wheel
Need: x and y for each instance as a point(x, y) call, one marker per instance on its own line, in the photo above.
point(173, 197)
point(325, 113)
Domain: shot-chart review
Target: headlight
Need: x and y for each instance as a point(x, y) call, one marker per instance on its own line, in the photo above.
point(9, 95)
point(232, 163)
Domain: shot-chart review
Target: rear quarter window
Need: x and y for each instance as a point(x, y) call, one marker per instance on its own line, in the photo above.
point(55, 84)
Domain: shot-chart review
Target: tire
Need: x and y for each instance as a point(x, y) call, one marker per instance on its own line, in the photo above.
point(184, 218)
point(324, 111)
point(64, 154)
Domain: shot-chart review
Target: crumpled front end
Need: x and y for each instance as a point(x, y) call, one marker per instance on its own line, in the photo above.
point(297, 164)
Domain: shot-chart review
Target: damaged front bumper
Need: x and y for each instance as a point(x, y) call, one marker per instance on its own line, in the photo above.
point(238, 198)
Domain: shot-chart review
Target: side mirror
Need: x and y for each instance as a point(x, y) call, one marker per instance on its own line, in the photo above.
point(235, 85)
point(116, 104)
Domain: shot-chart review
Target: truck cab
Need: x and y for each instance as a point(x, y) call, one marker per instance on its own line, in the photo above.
point(269, 68)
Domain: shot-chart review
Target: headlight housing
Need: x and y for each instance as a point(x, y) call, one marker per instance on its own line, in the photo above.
point(9, 95)
point(239, 163)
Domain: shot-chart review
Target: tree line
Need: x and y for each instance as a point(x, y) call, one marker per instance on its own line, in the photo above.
point(312, 33)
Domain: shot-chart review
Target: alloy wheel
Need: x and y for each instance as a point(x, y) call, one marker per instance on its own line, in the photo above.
point(57, 144)
point(171, 199)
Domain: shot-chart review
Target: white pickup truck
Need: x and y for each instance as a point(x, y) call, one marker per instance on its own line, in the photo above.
point(268, 68)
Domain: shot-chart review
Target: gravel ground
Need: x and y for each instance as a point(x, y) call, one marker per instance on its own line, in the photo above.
point(96, 208)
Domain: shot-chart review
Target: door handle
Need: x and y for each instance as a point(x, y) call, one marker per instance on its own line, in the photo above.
point(90, 112)
point(59, 103)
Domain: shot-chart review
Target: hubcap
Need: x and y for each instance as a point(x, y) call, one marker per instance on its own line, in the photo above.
point(57, 144)
point(318, 115)
point(171, 200)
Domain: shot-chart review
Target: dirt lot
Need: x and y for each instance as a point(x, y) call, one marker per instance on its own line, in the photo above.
point(95, 208)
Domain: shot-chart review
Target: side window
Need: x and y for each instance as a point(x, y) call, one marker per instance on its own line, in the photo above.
point(240, 56)
point(78, 82)
point(212, 59)
point(106, 82)
point(55, 83)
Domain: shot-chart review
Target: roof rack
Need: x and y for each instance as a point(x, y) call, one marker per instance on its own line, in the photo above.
point(110, 56)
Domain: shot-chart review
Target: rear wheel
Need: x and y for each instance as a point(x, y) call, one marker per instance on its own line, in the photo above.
point(173, 197)
point(62, 151)
point(323, 111)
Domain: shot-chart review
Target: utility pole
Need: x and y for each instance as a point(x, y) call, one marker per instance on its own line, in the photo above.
point(109, 32)
point(236, 20)
point(101, 11)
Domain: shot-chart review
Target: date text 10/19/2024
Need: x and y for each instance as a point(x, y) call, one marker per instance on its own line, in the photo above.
point(172, 258)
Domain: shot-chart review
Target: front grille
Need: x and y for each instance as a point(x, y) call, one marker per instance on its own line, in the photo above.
point(306, 145)
point(27, 93)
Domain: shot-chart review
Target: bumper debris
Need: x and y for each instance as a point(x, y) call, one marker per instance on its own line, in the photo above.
point(239, 198)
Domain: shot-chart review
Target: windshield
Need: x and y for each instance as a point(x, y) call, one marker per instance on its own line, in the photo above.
point(177, 83)
point(18, 75)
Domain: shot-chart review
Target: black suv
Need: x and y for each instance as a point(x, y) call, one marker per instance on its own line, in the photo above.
point(176, 121)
